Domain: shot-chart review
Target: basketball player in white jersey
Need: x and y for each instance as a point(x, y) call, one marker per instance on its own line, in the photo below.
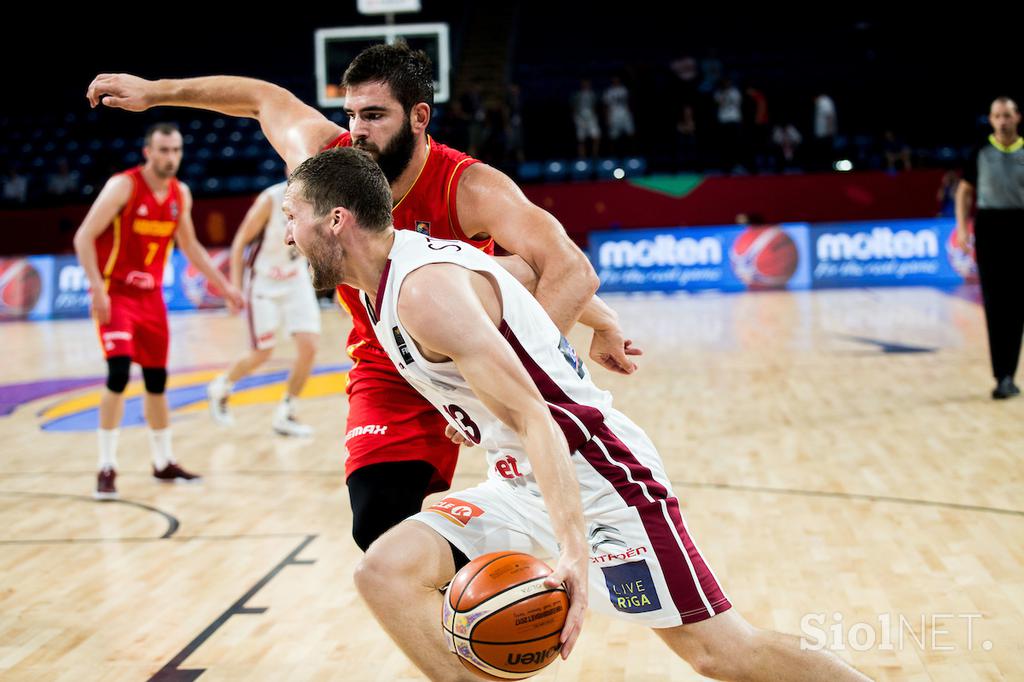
point(568, 475)
point(279, 293)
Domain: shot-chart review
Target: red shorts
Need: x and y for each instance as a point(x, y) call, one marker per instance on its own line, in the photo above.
point(137, 328)
point(388, 421)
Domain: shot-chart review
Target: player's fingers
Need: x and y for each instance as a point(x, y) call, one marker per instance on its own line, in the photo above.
point(93, 92)
point(573, 627)
point(630, 349)
point(114, 102)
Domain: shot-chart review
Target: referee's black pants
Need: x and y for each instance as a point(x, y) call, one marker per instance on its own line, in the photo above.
point(999, 246)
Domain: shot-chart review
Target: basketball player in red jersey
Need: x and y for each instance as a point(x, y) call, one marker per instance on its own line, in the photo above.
point(397, 450)
point(122, 245)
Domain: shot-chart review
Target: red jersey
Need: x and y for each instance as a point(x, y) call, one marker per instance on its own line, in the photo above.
point(429, 208)
point(133, 250)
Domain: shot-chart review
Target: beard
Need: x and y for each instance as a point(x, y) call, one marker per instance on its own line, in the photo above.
point(325, 256)
point(395, 157)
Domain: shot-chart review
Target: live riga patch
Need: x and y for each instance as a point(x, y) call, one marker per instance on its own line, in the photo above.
point(631, 588)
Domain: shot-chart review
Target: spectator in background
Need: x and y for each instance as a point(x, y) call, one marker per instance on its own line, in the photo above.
point(825, 128)
point(685, 70)
point(472, 103)
point(455, 125)
point(15, 190)
point(896, 151)
point(686, 138)
point(584, 116)
point(946, 196)
point(618, 116)
point(514, 124)
point(749, 218)
point(759, 131)
point(786, 140)
point(711, 67)
point(64, 182)
point(730, 122)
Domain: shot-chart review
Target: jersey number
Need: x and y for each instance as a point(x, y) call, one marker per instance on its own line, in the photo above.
point(152, 247)
point(466, 425)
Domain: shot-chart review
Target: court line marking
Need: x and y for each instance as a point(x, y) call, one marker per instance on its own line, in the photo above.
point(172, 522)
point(171, 673)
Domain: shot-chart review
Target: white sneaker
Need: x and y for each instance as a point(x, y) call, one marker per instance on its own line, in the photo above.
point(284, 423)
point(217, 393)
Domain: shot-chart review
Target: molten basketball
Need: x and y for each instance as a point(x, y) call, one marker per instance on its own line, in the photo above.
point(764, 257)
point(20, 287)
point(500, 619)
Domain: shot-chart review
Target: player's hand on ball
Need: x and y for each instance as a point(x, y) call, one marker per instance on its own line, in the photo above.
point(119, 91)
point(571, 571)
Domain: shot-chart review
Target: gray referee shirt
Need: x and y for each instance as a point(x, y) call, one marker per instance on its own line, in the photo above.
point(997, 173)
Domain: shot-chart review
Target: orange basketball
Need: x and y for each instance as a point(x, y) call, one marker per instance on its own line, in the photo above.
point(500, 619)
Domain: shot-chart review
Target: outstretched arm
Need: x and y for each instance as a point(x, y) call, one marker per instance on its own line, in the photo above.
point(296, 130)
point(197, 255)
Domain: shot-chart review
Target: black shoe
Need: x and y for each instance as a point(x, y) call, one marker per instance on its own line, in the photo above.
point(1005, 389)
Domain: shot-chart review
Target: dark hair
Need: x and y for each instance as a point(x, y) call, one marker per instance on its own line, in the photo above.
point(349, 178)
point(1005, 100)
point(162, 128)
point(406, 71)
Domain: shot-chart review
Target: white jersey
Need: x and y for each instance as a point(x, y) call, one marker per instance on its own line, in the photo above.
point(271, 260)
point(579, 407)
point(643, 560)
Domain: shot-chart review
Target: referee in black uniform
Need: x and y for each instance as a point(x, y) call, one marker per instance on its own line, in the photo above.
point(996, 174)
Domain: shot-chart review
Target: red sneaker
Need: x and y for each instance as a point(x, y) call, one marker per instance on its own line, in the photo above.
point(105, 488)
point(172, 473)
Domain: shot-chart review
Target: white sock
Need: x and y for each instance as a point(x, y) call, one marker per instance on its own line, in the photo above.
point(286, 401)
point(222, 383)
point(108, 447)
point(160, 444)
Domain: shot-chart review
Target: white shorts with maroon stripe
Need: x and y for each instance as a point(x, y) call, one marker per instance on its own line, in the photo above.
point(272, 304)
point(644, 566)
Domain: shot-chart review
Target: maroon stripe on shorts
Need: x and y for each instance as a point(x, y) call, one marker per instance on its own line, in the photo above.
point(248, 316)
point(650, 505)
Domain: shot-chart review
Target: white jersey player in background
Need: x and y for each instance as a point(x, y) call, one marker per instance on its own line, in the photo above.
point(279, 293)
point(563, 464)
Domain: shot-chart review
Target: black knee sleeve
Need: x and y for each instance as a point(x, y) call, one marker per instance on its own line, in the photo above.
point(118, 368)
point(155, 379)
point(383, 495)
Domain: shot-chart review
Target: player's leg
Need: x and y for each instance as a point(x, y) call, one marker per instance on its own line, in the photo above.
point(727, 647)
point(305, 349)
point(153, 339)
point(397, 454)
point(117, 341)
point(400, 578)
point(385, 494)
point(263, 316)
point(111, 411)
point(302, 321)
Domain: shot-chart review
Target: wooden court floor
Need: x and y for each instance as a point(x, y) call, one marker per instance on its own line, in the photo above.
point(839, 461)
